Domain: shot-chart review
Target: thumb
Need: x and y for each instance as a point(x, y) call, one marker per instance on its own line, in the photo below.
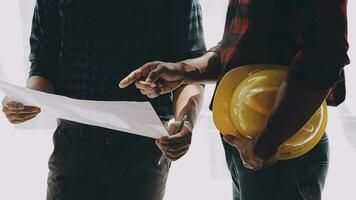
point(232, 140)
point(8, 103)
point(138, 74)
point(172, 125)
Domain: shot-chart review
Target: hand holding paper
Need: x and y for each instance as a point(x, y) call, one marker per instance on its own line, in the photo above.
point(131, 117)
point(18, 113)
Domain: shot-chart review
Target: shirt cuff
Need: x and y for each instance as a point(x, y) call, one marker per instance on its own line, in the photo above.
point(216, 49)
point(38, 69)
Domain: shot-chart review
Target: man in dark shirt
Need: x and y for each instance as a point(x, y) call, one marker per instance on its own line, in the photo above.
point(309, 36)
point(80, 49)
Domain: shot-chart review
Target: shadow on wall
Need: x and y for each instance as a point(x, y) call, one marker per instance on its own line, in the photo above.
point(348, 122)
point(3, 76)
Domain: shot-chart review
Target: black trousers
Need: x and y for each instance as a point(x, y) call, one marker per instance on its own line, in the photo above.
point(302, 178)
point(92, 163)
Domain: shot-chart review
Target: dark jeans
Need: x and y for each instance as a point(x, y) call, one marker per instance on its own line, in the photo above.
point(92, 163)
point(302, 178)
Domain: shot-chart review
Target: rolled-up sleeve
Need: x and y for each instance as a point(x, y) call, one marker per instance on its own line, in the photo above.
point(44, 40)
point(186, 29)
point(322, 45)
point(217, 49)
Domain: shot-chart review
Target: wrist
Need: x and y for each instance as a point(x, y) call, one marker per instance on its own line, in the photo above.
point(190, 72)
point(266, 146)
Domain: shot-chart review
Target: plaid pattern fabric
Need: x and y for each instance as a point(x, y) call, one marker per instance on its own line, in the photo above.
point(86, 46)
point(310, 36)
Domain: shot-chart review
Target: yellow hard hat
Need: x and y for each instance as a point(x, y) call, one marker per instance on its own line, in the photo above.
point(244, 99)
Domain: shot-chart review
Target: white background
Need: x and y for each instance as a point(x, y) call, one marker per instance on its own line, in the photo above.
point(202, 174)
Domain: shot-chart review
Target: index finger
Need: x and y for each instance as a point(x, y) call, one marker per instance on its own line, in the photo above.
point(138, 74)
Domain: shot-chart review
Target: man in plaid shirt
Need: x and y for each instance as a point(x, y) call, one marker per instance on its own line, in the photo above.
point(309, 36)
point(80, 49)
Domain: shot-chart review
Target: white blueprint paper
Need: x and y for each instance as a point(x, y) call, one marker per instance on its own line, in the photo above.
point(132, 117)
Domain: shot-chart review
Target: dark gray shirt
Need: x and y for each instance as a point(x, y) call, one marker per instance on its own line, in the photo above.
point(85, 47)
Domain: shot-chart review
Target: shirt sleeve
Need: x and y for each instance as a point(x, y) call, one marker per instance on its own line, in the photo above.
point(322, 31)
point(44, 40)
point(186, 29)
point(217, 49)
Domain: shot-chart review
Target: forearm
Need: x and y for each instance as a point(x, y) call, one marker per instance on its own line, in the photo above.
point(41, 84)
point(202, 69)
point(293, 108)
point(314, 69)
point(188, 100)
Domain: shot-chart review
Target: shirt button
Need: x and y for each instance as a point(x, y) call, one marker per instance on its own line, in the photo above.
point(107, 140)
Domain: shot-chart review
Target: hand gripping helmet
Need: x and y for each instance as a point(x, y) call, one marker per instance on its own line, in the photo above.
point(244, 99)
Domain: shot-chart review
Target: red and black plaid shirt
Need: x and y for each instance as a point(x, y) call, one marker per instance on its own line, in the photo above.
point(310, 36)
